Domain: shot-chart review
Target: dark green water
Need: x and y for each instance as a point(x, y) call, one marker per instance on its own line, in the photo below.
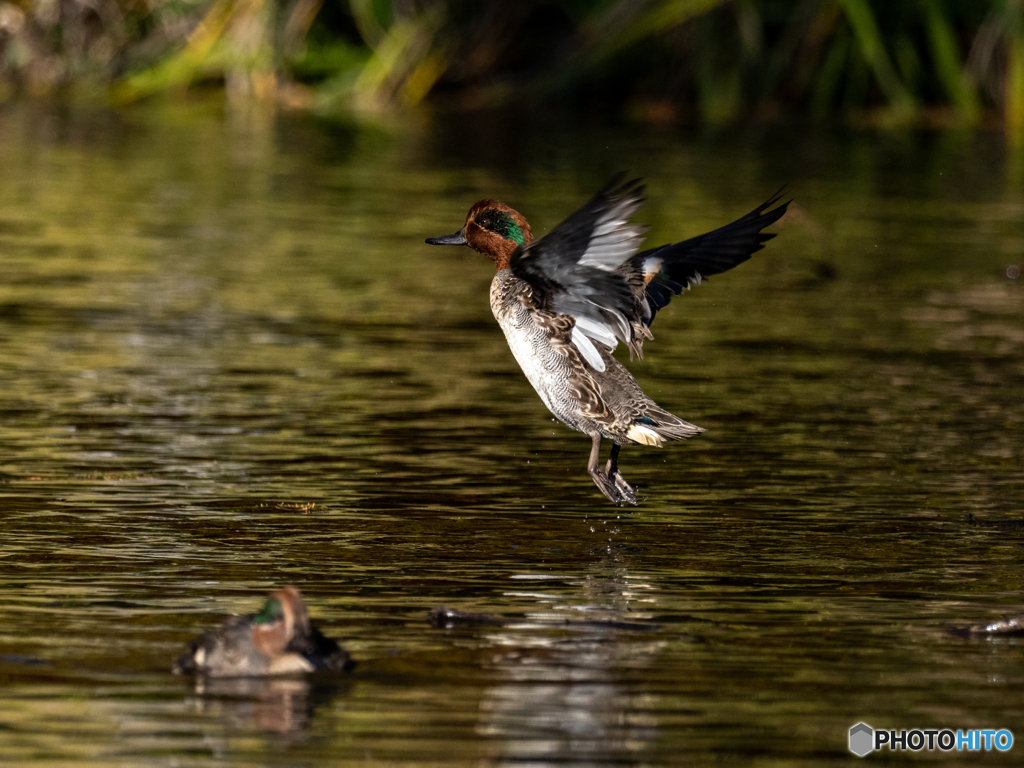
point(228, 362)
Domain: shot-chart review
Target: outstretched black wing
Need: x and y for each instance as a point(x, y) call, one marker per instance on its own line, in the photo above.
point(670, 269)
point(586, 267)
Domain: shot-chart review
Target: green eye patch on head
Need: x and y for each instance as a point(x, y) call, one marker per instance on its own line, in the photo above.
point(501, 224)
point(271, 612)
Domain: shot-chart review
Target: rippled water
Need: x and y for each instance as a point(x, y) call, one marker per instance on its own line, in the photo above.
point(228, 362)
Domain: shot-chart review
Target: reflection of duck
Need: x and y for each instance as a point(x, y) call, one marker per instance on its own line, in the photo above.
point(279, 640)
point(565, 301)
point(283, 704)
point(564, 676)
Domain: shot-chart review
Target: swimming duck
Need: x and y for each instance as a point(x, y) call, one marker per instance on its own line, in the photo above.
point(567, 299)
point(279, 640)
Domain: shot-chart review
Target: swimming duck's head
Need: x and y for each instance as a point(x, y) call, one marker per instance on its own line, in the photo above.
point(493, 229)
point(283, 616)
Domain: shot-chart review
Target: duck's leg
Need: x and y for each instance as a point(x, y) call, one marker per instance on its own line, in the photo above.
point(601, 480)
point(611, 483)
point(624, 489)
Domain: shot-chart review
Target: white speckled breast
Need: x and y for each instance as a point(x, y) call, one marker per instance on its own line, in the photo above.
point(604, 403)
point(547, 370)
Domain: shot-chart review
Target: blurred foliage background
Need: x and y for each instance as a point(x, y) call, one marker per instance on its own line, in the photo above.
point(944, 62)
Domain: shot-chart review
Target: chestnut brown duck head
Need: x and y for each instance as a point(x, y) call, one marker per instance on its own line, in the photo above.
point(493, 229)
point(279, 640)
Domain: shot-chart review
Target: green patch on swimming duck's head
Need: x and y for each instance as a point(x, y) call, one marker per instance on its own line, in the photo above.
point(282, 621)
point(272, 612)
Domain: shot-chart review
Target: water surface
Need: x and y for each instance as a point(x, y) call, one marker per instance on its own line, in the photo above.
point(228, 362)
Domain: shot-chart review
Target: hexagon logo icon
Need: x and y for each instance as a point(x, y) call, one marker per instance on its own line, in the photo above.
point(862, 737)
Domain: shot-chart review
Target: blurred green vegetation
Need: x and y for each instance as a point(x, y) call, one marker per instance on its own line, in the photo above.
point(888, 62)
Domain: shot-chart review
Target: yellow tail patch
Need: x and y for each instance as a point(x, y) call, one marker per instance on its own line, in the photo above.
point(644, 435)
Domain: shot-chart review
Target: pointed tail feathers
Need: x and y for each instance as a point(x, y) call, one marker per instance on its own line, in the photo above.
point(658, 425)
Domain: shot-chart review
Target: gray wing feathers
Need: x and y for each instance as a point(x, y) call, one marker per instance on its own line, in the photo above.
point(614, 239)
point(588, 267)
point(572, 270)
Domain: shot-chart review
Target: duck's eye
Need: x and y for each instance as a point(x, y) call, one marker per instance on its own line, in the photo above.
point(495, 221)
point(501, 224)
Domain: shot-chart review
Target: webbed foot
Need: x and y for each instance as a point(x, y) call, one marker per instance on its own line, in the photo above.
point(612, 484)
point(626, 492)
point(614, 487)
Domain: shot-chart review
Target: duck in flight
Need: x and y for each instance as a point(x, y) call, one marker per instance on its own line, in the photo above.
point(567, 299)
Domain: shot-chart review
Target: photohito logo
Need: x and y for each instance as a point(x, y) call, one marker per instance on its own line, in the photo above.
point(865, 739)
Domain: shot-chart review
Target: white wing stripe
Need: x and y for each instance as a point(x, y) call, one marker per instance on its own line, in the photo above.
point(597, 331)
point(587, 349)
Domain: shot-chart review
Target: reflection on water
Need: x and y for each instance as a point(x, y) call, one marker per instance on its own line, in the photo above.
point(559, 695)
point(281, 705)
point(228, 362)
